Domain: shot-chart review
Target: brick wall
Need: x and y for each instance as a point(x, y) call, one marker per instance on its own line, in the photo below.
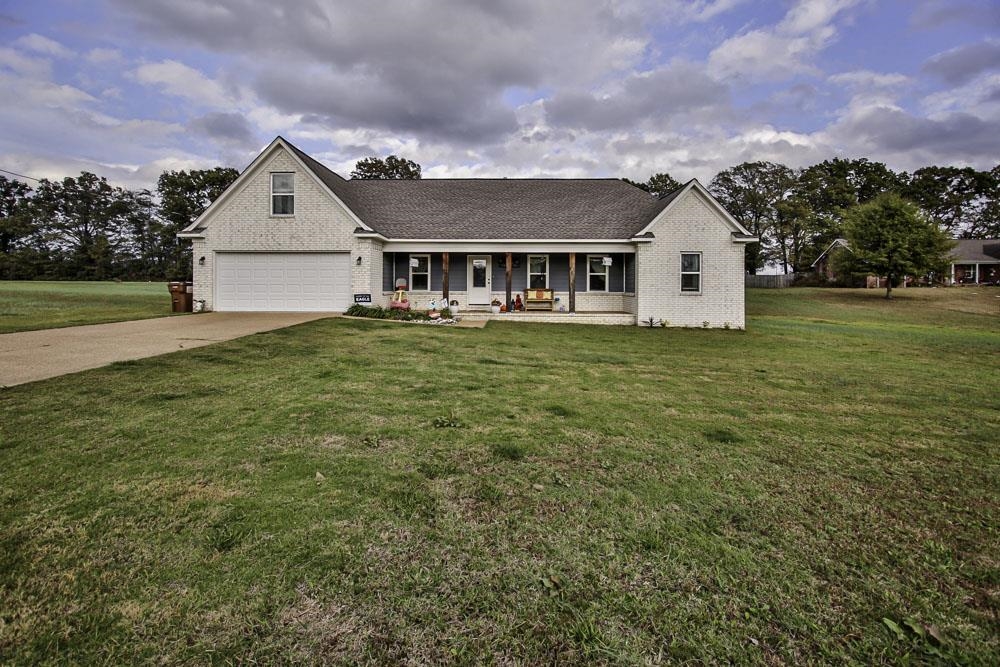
point(691, 226)
point(244, 223)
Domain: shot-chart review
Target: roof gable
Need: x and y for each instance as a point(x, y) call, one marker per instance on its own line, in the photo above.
point(696, 188)
point(309, 167)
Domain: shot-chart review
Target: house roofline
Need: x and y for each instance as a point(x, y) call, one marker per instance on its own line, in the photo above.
point(278, 141)
point(694, 184)
point(843, 243)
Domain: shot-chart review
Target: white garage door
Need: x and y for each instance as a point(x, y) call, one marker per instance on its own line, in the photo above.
point(282, 281)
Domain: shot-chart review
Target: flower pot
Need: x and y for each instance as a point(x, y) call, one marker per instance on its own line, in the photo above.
point(495, 309)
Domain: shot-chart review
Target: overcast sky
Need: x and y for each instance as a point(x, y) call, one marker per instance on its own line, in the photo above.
point(128, 88)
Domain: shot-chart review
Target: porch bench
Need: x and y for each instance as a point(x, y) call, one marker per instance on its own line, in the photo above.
point(539, 299)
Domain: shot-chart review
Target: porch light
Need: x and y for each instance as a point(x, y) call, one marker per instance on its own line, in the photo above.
point(201, 261)
point(358, 260)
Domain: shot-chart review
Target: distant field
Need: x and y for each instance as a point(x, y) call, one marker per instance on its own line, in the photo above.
point(823, 488)
point(30, 305)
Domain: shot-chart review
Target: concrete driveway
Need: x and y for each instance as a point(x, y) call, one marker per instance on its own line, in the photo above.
point(36, 355)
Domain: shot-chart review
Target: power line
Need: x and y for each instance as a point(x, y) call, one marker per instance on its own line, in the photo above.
point(14, 173)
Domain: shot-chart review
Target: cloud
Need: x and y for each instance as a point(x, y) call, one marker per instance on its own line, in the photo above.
point(657, 94)
point(103, 56)
point(868, 80)
point(498, 87)
point(884, 131)
point(963, 63)
point(228, 128)
point(15, 61)
point(783, 50)
point(698, 11)
point(979, 97)
point(435, 69)
point(934, 13)
point(363, 97)
point(182, 81)
point(43, 45)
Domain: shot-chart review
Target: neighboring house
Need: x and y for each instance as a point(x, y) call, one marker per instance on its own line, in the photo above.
point(825, 264)
point(975, 262)
point(292, 235)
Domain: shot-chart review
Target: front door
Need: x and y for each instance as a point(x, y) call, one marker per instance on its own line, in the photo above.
point(480, 280)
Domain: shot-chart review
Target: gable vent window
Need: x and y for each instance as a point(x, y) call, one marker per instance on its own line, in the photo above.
point(283, 193)
point(691, 272)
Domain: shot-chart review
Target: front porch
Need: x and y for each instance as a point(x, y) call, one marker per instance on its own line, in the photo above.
point(600, 281)
point(975, 273)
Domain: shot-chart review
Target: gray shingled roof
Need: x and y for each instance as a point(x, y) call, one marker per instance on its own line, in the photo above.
point(504, 208)
point(976, 250)
point(491, 208)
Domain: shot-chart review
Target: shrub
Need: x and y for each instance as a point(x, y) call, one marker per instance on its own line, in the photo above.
point(380, 313)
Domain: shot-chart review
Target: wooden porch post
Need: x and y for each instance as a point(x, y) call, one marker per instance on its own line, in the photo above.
point(444, 277)
point(572, 282)
point(509, 264)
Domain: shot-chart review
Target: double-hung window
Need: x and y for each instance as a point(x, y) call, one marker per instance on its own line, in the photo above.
point(691, 272)
point(597, 274)
point(283, 193)
point(420, 273)
point(538, 271)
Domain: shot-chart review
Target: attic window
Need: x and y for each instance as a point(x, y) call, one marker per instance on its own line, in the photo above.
point(283, 193)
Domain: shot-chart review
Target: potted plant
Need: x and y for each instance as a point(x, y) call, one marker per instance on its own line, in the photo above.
point(495, 306)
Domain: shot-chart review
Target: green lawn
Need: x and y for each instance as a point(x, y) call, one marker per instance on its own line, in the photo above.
point(30, 305)
point(355, 491)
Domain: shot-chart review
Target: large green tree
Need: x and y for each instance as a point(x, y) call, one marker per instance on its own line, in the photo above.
point(83, 223)
point(829, 189)
point(751, 192)
point(988, 226)
point(959, 199)
point(390, 168)
point(659, 184)
point(793, 228)
point(891, 237)
point(15, 223)
point(184, 195)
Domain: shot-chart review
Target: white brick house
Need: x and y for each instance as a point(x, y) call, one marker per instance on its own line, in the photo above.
point(290, 234)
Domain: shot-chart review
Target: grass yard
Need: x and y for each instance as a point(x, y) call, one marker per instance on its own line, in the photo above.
point(823, 487)
point(27, 305)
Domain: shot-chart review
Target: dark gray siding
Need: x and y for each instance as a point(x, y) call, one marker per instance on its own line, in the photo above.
point(457, 270)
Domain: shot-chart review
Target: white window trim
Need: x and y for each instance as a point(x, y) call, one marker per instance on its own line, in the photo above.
point(420, 273)
point(529, 273)
point(607, 275)
point(271, 176)
point(701, 267)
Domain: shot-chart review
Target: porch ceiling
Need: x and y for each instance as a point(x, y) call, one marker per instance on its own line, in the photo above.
point(501, 246)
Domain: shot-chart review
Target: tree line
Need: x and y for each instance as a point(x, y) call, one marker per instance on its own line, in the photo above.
point(797, 213)
point(84, 228)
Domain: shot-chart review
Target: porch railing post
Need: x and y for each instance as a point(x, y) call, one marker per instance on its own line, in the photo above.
point(572, 282)
point(444, 277)
point(508, 279)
